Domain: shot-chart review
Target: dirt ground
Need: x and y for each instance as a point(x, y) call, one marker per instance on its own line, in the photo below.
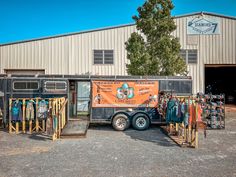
point(105, 152)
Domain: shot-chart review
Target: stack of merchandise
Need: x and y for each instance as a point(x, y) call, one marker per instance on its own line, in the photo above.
point(213, 110)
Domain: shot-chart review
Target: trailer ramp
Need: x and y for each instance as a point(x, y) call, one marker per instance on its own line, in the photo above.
point(75, 128)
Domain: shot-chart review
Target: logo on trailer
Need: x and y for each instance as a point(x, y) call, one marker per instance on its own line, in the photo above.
point(125, 92)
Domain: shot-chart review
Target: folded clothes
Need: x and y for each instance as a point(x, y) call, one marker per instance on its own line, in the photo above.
point(220, 103)
point(213, 104)
point(207, 96)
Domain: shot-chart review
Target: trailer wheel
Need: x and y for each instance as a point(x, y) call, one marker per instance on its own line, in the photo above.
point(120, 122)
point(140, 122)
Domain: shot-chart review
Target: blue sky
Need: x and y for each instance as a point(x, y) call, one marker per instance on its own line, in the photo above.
point(27, 19)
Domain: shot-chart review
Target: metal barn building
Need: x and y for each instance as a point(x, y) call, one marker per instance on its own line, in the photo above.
point(208, 45)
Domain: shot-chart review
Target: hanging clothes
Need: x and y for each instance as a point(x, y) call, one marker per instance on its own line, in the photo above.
point(16, 111)
point(42, 109)
point(191, 114)
point(173, 115)
point(199, 113)
point(30, 110)
point(184, 111)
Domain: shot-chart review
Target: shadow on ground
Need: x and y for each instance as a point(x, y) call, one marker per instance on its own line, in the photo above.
point(39, 137)
point(153, 134)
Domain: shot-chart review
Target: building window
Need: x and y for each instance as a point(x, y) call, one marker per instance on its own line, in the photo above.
point(103, 57)
point(189, 56)
point(52, 86)
point(192, 56)
point(25, 85)
point(183, 54)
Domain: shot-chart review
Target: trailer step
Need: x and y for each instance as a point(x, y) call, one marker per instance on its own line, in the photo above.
point(75, 129)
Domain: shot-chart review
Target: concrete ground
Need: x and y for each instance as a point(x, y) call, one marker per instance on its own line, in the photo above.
point(132, 153)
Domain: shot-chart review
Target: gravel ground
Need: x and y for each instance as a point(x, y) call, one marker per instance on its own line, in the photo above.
point(105, 152)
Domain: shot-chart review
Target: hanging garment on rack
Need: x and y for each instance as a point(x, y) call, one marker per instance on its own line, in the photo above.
point(173, 112)
point(16, 111)
point(42, 109)
point(30, 110)
point(190, 114)
point(55, 122)
point(199, 112)
point(184, 111)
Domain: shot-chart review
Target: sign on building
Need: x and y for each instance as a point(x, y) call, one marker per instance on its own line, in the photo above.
point(124, 93)
point(203, 25)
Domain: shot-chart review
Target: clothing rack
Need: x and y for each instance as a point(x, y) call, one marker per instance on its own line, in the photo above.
point(56, 109)
point(186, 135)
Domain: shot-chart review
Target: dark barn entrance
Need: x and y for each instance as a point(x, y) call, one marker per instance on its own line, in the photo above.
point(221, 79)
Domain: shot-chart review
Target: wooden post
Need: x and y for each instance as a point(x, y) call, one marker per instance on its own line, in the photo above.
point(37, 121)
point(30, 126)
point(57, 114)
point(17, 127)
point(190, 122)
point(10, 123)
point(196, 127)
point(49, 120)
point(176, 127)
point(171, 126)
point(43, 125)
point(23, 116)
point(54, 122)
point(196, 136)
point(185, 134)
point(62, 114)
point(59, 118)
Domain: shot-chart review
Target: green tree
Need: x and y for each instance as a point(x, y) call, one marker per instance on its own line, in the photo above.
point(153, 50)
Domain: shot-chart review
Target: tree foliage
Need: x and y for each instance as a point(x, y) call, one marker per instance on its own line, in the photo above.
point(153, 50)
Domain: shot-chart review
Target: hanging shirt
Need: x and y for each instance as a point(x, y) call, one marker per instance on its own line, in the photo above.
point(173, 109)
point(30, 110)
point(42, 110)
point(16, 111)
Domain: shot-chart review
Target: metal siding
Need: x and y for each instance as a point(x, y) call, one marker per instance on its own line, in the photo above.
point(73, 54)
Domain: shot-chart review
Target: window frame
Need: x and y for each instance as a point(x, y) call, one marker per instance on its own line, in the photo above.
point(187, 53)
point(55, 90)
point(104, 61)
point(14, 82)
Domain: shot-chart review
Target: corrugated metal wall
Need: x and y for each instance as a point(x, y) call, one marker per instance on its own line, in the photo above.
point(212, 49)
point(73, 54)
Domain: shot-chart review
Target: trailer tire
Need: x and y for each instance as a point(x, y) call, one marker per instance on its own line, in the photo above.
point(140, 121)
point(120, 122)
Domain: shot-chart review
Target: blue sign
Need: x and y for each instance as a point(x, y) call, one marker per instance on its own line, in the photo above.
point(203, 25)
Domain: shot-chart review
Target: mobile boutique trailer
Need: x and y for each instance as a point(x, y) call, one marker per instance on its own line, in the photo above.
point(117, 100)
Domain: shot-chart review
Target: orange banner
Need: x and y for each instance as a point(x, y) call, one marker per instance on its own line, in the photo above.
point(124, 93)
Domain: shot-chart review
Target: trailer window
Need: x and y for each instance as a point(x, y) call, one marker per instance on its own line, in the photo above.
point(55, 86)
point(25, 85)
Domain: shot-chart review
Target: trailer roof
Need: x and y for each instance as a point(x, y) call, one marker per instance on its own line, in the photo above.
point(93, 77)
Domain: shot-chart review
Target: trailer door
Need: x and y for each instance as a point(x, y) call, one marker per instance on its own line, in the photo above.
point(83, 98)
